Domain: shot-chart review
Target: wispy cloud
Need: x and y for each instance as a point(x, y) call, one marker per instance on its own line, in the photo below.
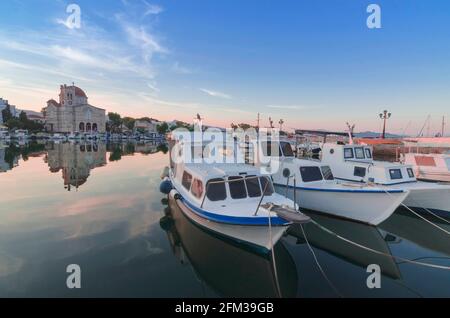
point(215, 93)
point(178, 69)
point(152, 9)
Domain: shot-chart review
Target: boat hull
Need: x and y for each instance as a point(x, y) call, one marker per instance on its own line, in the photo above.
point(370, 207)
point(254, 236)
point(437, 199)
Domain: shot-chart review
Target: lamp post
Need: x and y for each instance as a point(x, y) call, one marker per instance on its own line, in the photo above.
point(385, 115)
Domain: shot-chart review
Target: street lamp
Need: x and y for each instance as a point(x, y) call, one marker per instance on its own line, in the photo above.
point(385, 115)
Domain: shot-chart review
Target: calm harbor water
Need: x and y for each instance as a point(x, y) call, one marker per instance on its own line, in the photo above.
point(99, 206)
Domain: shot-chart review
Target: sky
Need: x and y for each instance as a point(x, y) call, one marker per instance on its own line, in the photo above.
point(313, 63)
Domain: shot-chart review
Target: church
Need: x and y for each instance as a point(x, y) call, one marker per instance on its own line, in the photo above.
point(73, 113)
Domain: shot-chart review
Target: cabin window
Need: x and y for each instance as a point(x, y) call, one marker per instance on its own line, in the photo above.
point(310, 174)
point(216, 190)
point(197, 188)
point(267, 149)
point(359, 172)
point(368, 153)
point(237, 187)
point(287, 149)
point(253, 188)
point(395, 174)
point(348, 153)
point(327, 173)
point(410, 172)
point(359, 153)
point(266, 184)
point(187, 180)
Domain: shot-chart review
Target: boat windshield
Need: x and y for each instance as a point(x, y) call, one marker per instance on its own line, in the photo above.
point(286, 149)
point(216, 190)
point(270, 149)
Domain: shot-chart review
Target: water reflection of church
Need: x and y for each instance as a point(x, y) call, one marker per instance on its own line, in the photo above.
point(75, 161)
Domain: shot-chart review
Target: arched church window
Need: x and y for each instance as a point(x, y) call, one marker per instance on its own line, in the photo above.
point(88, 127)
point(81, 127)
point(94, 127)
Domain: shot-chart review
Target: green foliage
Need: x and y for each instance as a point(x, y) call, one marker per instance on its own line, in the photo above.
point(6, 114)
point(162, 128)
point(241, 125)
point(24, 123)
point(115, 121)
point(129, 122)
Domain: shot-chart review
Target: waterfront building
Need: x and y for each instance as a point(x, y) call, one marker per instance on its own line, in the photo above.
point(73, 113)
point(146, 125)
point(3, 104)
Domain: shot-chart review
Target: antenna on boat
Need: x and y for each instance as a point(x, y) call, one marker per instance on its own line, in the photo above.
point(443, 126)
point(350, 133)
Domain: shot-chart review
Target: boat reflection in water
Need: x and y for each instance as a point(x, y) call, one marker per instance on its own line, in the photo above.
point(368, 236)
point(229, 269)
point(410, 227)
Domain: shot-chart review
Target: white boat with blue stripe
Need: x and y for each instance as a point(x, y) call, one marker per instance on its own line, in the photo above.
point(233, 200)
point(312, 185)
point(355, 164)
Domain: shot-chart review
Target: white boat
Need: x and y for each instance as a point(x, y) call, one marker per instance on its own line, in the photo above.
point(4, 134)
point(430, 167)
point(228, 200)
point(312, 185)
point(58, 137)
point(355, 164)
point(20, 134)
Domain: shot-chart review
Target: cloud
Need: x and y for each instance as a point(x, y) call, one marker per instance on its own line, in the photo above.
point(152, 9)
point(176, 68)
point(215, 93)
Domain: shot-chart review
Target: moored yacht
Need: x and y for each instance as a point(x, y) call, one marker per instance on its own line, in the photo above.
point(430, 167)
point(312, 185)
point(355, 164)
point(234, 201)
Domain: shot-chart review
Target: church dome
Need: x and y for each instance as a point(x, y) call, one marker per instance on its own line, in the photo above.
point(79, 92)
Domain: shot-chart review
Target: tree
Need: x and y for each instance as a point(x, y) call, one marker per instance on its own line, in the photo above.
point(23, 117)
point(162, 128)
point(115, 121)
point(129, 122)
point(6, 114)
point(241, 125)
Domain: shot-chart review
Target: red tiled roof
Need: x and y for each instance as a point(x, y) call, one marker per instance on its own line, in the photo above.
point(80, 92)
point(54, 102)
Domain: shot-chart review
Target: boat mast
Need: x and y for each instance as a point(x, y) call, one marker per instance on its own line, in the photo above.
point(443, 126)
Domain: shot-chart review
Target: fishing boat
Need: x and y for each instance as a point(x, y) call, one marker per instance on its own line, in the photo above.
point(20, 134)
point(210, 256)
point(355, 164)
point(232, 200)
point(4, 133)
point(312, 185)
point(429, 167)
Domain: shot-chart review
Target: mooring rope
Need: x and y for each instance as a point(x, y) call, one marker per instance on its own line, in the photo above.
point(318, 264)
point(404, 260)
point(420, 216)
point(434, 214)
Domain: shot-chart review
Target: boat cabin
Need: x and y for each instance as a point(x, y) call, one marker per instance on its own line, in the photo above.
point(220, 185)
point(355, 163)
point(286, 168)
